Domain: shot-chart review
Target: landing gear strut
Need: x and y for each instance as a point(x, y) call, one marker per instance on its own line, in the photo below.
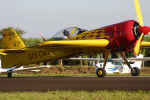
point(9, 75)
point(101, 72)
point(134, 71)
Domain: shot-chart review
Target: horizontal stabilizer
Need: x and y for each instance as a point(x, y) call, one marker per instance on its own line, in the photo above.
point(5, 51)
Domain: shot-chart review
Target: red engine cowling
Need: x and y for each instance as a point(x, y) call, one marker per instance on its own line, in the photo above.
point(122, 35)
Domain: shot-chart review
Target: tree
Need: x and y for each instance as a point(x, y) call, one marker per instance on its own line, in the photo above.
point(32, 41)
point(18, 30)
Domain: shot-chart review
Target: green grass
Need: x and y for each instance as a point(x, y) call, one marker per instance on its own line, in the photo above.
point(76, 95)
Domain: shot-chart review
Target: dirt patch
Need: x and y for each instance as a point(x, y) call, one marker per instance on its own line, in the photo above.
point(145, 70)
point(56, 69)
point(64, 70)
point(48, 83)
point(75, 70)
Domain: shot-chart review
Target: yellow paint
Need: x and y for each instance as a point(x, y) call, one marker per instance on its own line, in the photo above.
point(17, 55)
point(14, 52)
point(80, 43)
point(137, 46)
point(140, 20)
point(100, 72)
point(145, 44)
point(93, 34)
point(11, 40)
point(73, 31)
point(138, 12)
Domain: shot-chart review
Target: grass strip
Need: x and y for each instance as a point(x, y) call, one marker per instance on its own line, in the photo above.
point(76, 95)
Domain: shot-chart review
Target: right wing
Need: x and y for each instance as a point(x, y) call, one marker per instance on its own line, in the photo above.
point(145, 44)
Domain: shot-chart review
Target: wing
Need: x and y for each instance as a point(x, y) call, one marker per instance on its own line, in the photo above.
point(100, 43)
point(79, 43)
point(145, 44)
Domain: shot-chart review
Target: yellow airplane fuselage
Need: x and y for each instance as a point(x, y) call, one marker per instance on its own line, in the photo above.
point(35, 55)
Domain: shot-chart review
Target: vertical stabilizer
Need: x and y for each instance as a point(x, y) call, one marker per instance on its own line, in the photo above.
point(11, 40)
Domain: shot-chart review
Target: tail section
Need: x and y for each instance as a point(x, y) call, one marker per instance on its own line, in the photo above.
point(11, 40)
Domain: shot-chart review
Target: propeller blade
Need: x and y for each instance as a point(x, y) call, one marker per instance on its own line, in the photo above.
point(140, 20)
point(138, 12)
point(137, 46)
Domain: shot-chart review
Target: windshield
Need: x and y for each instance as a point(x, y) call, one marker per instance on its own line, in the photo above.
point(68, 33)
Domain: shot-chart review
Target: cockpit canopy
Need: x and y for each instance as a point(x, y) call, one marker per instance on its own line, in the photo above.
point(68, 33)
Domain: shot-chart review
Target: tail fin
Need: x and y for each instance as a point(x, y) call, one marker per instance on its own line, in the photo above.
point(11, 40)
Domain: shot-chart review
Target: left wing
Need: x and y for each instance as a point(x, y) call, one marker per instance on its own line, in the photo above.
point(79, 43)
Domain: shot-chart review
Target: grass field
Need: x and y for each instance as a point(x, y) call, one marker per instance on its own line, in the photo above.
point(76, 95)
point(71, 71)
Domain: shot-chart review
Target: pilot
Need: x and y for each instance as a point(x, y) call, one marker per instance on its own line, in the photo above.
point(72, 31)
point(66, 34)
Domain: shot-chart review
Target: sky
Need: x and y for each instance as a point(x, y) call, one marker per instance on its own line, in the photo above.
point(50, 16)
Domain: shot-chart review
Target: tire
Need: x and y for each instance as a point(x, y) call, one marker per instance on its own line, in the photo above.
point(100, 72)
point(135, 71)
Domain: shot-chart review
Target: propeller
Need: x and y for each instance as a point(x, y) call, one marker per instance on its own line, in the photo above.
point(142, 29)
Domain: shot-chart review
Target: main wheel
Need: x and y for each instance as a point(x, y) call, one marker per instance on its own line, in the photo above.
point(100, 72)
point(135, 71)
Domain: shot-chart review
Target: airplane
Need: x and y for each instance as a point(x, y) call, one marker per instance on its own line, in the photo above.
point(126, 36)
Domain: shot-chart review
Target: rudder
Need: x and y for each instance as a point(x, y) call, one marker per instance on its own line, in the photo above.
point(11, 40)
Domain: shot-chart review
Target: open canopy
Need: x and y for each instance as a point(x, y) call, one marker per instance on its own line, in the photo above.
point(68, 33)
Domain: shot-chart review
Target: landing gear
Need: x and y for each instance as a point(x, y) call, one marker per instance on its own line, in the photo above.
point(100, 72)
point(9, 75)
point(135, 71)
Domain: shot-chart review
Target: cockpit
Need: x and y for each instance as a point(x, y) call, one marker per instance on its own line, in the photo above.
point(68, 33)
